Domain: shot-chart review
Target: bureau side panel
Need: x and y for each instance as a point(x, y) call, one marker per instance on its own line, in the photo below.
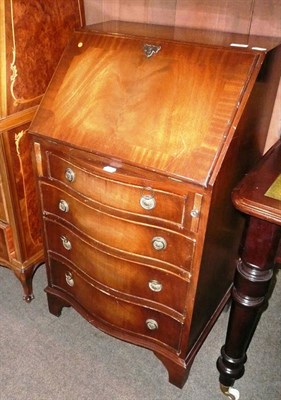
point(225, 224)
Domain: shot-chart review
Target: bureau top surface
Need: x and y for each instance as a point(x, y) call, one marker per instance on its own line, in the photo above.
point(173, 111)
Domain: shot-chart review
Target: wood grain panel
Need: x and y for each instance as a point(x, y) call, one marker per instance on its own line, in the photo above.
point(110, 9)
point(267, 18)
point(112, 313)
point(248, 16)
point(3, 214)
point(151, 11)
point(4, 254)
point(118, 273)
point(33, 35)
point(120, 234)
point(38, 35)
point(136, 10)
point(257, 17)
point(22, 185)
point(275, 125)
point(119, 195)
point(228, 15)
point(175, 137)
point(167, 13)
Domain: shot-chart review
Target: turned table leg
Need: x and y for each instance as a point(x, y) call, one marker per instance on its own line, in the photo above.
point(252, 279)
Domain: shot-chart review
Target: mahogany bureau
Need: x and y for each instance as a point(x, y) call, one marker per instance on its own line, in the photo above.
point(138, 142)
point(33, 35)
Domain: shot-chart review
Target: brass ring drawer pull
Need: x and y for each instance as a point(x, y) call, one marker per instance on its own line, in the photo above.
point(69, 175)
point(63, 206)
point(155, 286)
point(66, 243)
point(159, 243)
point(151, 324)
point(148, 202)
point(69, 279)
point(194, 213)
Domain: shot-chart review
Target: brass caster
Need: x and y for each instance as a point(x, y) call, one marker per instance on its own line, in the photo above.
point(27, 298)
point(230, 392)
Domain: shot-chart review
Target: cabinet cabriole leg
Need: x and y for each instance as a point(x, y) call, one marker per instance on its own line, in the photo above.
point(25, 277)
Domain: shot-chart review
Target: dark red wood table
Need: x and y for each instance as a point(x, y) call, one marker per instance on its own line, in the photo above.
point(259, 196)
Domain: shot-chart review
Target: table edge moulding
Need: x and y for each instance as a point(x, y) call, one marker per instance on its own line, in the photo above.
point(137, 144)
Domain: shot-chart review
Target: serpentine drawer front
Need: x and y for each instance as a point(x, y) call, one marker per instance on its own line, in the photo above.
point(137, 146)
point(116, 313)
point(132, 237)
point(144, 280)
point(122, 190)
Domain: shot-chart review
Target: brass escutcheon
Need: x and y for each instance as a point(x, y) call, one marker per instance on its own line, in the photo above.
point(151, 49)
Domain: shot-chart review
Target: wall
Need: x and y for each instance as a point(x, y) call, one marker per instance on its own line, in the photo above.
point(256, 17)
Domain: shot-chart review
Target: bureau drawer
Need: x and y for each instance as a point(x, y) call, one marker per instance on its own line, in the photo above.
point(113, 312)
point(128, 236)
point(112, 190)
point(130, 278)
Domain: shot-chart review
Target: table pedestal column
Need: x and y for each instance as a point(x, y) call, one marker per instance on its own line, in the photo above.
point(252, 279)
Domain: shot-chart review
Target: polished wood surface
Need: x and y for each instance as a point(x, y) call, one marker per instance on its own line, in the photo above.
point(131, 281)
point(172, 138)
point(249, 18)
point(109, 189)
point(133, 174)
point(255, 266)
point(187, 34)
point(115, 313)
point(117, 230)
point(252, 196)
point(36, 34)
point(32, 38)
point(240, 16)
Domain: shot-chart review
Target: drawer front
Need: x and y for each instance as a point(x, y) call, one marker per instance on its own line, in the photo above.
point(109, 189)
point(128, 236)
point(135, 279)
point(114, 312)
